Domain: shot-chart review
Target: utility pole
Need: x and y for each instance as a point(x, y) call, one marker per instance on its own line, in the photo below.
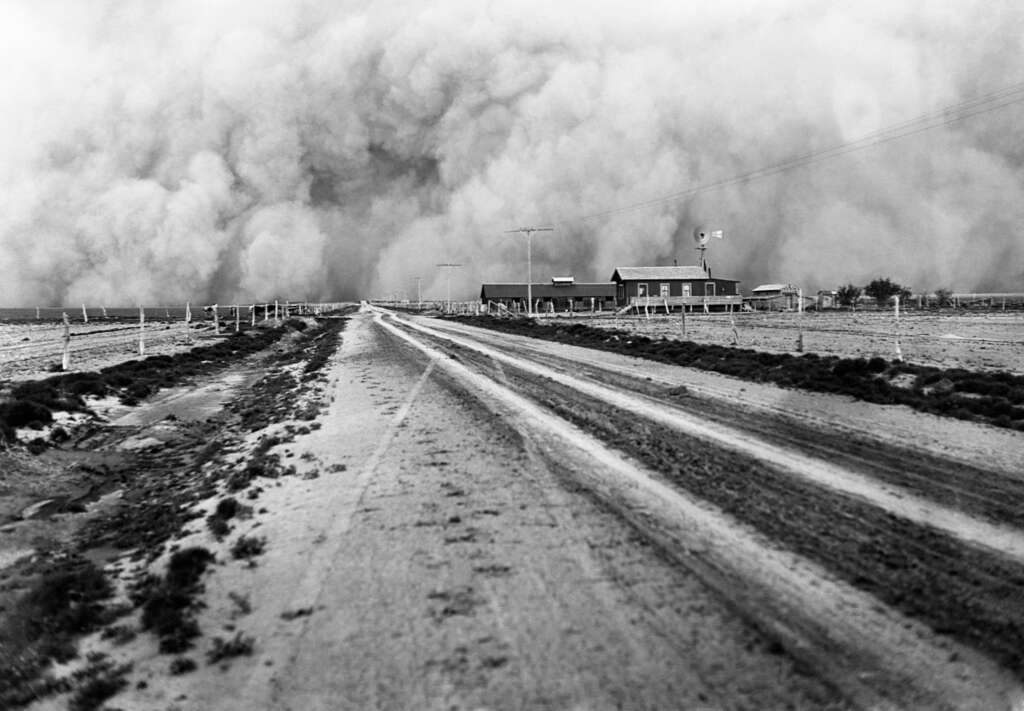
point(528, 231)
point(450, 265)
point(419, 297)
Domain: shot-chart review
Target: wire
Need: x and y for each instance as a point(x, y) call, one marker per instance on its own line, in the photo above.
point(1004, 97)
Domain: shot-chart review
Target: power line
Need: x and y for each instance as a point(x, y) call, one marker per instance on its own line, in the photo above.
point(925, 122)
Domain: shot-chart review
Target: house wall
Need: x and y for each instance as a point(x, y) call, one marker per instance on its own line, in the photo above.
point(698, 287)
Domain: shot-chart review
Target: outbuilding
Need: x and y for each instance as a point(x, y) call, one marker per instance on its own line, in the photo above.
point(774, 297)
point(560, 294)
point(675, 286)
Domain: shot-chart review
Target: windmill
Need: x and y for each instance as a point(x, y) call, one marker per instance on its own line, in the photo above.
point(702, 236)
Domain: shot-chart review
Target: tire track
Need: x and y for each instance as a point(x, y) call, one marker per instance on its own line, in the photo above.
point(876, 655)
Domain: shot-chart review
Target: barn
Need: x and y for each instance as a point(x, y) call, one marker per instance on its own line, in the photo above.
point(560, 294)
point(675, 286)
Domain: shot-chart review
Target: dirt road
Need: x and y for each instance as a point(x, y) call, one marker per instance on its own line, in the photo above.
point(482, 521)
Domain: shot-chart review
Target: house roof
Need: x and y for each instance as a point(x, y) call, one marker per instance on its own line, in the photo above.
point(773, 287)
point(655, 273)
point(605, 290)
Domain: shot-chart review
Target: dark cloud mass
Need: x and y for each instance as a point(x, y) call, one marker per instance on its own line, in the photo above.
point(162, 151)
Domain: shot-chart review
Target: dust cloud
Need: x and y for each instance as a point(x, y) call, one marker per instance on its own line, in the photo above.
point(245, 150)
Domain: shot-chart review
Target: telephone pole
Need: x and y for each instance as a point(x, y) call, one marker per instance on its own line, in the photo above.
point(450, 265)
point(528, 231)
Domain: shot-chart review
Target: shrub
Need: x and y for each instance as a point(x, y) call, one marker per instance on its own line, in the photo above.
point(167, 604)
point(248, 547)
point(238, 646)
point(26, 413)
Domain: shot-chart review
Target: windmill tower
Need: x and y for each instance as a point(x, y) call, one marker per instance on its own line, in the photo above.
point(701, 236)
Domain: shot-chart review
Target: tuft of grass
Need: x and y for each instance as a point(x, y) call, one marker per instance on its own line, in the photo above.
point(239, 645)
point(97, 683)
point(248, 547)
point(168, 604)
point(120, 634)
point(226, 510)
point(182, 665)
point(242, 604)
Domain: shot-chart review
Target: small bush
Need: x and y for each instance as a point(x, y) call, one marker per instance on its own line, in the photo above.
point(182, 665)
point(102, 680)
point(26, 413)
point(248, 547)
point(239, 645)
point(168, 604)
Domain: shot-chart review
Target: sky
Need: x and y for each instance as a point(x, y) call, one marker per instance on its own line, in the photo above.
point(232, 151)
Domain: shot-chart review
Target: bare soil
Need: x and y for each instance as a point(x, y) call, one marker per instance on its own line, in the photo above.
point(431, 516)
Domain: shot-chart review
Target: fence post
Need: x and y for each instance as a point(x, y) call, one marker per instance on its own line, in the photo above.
point(142, 331)
point(65, 361)
point(188, 322)
point(85, 315)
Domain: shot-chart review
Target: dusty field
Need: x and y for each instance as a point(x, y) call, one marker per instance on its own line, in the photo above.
point(432, 516)
point(975, 341)
point(30, 350)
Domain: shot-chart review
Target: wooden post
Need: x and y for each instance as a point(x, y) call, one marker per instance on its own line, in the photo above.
point(188, 322)
point(238, 317)
point(682, 318)
point(896, 307)
point(85, 315)
point(142, 331)
point(65, 361)
point(252, 312)
point(216, 319)
point(277, 313)
point(37, 313)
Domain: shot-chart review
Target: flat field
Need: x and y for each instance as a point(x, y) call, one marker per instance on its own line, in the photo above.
point(31, 350)
point(970, 340)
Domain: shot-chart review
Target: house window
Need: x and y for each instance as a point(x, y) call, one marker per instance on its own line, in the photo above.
point(663, 290)
point(641, 290)
point(709, 288)
point(686, 289)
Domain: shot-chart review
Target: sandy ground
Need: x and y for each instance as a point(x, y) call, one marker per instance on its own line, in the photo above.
point(437, 561)
point(446, 541)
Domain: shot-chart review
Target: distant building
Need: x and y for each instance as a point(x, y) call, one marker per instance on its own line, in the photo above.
point(560, 294)
point(672, 287)
point(774, 297)
point(827, 299)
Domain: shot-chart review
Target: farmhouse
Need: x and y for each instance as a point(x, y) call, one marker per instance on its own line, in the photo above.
point(670, 287)
point(560, 294)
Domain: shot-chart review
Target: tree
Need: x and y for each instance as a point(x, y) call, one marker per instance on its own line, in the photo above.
point(943, 297)
point(884, 289)
point(848, 295)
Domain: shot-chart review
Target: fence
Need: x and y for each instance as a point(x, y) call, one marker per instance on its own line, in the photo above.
point(38, 340)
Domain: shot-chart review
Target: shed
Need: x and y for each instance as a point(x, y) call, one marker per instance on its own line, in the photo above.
point(774, 297)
